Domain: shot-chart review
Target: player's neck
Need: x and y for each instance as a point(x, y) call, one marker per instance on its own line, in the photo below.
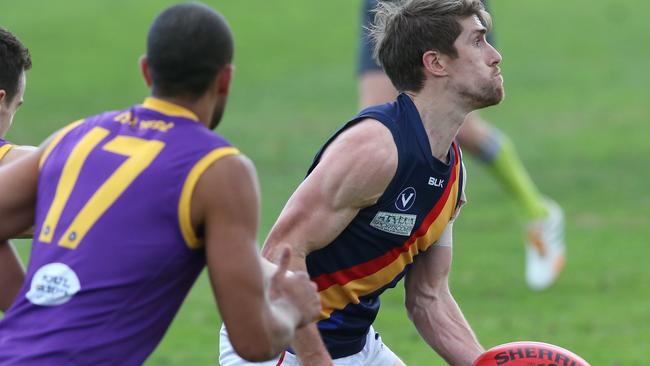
point(441, 120)
point(199, 107)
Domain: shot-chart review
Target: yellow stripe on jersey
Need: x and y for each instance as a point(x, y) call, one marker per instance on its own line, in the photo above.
point(337, 297)
point(167, 108)
point(440, 223)
point(55, 141)
point(4, 149)
point(141, 153)
point(69, 175)
point(199, 168)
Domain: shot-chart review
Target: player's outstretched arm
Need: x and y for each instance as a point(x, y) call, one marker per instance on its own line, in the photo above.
point(434, 311)
point(226, 205)
point(353, 173)
point(12, 275)
point(12, 155)
point(19, 182)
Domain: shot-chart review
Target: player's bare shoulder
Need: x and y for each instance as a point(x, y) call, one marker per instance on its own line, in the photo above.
point(231, 173)
point(370, 137)
point(227, 193)
point(365, 158)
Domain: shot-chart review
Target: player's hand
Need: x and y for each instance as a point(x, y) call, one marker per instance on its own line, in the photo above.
point(295, 288)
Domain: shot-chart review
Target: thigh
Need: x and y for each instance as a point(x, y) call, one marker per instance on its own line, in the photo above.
point(377, 353)
point(474, 133)
point(365, 61)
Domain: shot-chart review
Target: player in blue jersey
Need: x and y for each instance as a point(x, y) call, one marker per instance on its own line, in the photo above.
point(14, 63)
point(545, 248)
point(379, 201)
point(128, 207)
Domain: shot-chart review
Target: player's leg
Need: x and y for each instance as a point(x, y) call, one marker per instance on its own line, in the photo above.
point(497, 152)
point(376, 353)
point(545, 242)
point(375, 88)
point(374, 85)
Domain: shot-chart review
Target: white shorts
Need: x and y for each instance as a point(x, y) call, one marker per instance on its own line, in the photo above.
point(374, 353)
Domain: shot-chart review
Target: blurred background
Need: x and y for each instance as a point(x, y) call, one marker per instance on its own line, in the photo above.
point(577, 107)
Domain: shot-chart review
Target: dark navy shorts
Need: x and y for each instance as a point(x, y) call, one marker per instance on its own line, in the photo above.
point(365, 62)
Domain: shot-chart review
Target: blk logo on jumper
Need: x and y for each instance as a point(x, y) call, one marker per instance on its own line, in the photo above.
point(405, 199)
point(436, 182)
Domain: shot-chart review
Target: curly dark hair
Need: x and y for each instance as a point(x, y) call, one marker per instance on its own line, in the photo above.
point(14, 59)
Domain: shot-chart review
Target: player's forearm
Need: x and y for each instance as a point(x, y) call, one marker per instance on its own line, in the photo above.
point(27, 234)
point(270, 255)
point(442, 325)
point(281, 323)
point(270, 323)
point(12, 275)
point(309, 347)
point(248, 312)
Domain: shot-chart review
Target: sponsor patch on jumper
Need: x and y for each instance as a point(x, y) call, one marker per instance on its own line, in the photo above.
point(394, 223)
point(53, 284)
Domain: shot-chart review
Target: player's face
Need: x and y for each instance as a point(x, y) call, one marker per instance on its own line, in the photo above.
point(8, 108)
point(476, 73)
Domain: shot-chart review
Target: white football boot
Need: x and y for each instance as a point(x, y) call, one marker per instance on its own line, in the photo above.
point(545, 249)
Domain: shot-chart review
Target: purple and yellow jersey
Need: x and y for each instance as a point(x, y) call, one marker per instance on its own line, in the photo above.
point(114, 251)
point(5, 146)
point(377, 248)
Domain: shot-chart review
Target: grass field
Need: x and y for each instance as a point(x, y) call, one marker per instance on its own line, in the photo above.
point(577, 108)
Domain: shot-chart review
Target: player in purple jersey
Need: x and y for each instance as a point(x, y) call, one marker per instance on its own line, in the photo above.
point(381, 196)
point(14, 63)
point(127, 208)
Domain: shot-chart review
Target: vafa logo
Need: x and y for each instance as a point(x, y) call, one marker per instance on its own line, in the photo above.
point(405, 199)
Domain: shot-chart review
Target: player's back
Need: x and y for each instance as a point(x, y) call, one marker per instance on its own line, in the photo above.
point(114, 252)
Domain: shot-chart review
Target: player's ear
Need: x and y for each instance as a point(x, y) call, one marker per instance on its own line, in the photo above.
point(144, 67)
point(434, 62)
point(223, 79)
point(3, 95)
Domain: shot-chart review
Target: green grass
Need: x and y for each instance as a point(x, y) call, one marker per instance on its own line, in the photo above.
point(577, 109)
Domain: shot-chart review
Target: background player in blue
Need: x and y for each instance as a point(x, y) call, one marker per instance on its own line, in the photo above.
point(379, 201)
point(545, 249)
point(14, 63)
point(129, 205)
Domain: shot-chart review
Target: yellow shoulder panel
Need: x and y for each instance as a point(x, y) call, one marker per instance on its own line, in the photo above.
point(192, 179)
point(4, 149)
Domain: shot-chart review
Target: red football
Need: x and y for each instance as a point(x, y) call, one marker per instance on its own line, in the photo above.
point(529, 354)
